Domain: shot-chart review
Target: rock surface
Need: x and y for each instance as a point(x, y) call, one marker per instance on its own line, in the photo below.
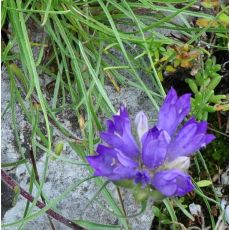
point(62, 173)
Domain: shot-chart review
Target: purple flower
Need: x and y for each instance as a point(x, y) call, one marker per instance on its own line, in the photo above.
point(173, 111)
point(142, 178)
point(161, 159)
point(113, 164)
point(154, 147)
point(119, 135)
point(191, 137)
point(172, 182)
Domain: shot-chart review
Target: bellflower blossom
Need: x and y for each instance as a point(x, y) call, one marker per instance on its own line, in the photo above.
point(161, 156)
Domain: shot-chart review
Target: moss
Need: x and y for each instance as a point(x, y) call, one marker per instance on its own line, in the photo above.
point(216, 153)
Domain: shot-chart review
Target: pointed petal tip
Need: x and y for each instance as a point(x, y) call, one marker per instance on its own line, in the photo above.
point(209, 138)
point(123, 111)
point(171, 94)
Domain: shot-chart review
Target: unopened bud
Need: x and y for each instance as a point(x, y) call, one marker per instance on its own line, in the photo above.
point(141, 122)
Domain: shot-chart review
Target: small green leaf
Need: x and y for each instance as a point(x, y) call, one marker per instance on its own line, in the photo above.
point(217, 98)
point(214, 82)
point(166, 221)
point(199, 97)
point(16, 195)
point(210, 3)
point(183, 209)
point(156, 211)
point(160, 75)
point(199, 79)
point(192, 85)
point(224, 18)
point(170, 69)
point(204, 183)
point(209, 108)
point(58, 150)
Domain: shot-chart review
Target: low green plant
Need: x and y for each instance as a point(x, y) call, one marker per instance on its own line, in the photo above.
point(206, 80)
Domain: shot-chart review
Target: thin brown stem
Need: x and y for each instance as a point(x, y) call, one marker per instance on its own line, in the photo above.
point(121, 201)
point(11, 183)
point(217, 131)
point(122, 206)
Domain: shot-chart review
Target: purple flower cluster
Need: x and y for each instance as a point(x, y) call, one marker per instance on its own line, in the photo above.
point(161, 156)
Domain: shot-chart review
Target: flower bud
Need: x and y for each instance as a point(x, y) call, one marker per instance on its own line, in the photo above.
point(141, 122)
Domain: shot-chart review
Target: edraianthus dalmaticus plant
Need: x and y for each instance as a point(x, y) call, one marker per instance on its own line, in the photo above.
point(157, 163)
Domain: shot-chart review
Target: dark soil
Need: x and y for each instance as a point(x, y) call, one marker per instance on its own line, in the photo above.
point(177, 81)
point(7, 196)
point(222, 58)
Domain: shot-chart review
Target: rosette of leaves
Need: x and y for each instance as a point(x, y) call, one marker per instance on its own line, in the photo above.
point(180, 57)
point(203, 85)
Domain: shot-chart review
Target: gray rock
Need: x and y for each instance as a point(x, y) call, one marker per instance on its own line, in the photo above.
point(62, 174)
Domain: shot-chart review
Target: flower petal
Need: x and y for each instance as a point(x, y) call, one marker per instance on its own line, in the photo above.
point(108, 164)
point(172, 182)
point(142, 177)
point(103, 164)
point(154, 147)
point(141, 122)
point(112, 140)
point(126, 161)
point(119, 135)
point(123, 112)
point(123, 173)
point(173, 111)
point(181, 163)
point(189, 139)
point(110, 126)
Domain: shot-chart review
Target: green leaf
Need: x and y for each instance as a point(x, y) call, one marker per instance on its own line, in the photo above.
point(170, 69)
point(16, 195)
point(204, 183)
point(166, 221)
point(58, 150)
point(95, 226)
point(171, 211)
point(224, 18)
point(156, 211)
point(192, 85)
point(214, 82)
point(182, 208)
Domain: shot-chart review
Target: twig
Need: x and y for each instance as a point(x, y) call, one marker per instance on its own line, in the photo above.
point(11, 183)
point(214, 130)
